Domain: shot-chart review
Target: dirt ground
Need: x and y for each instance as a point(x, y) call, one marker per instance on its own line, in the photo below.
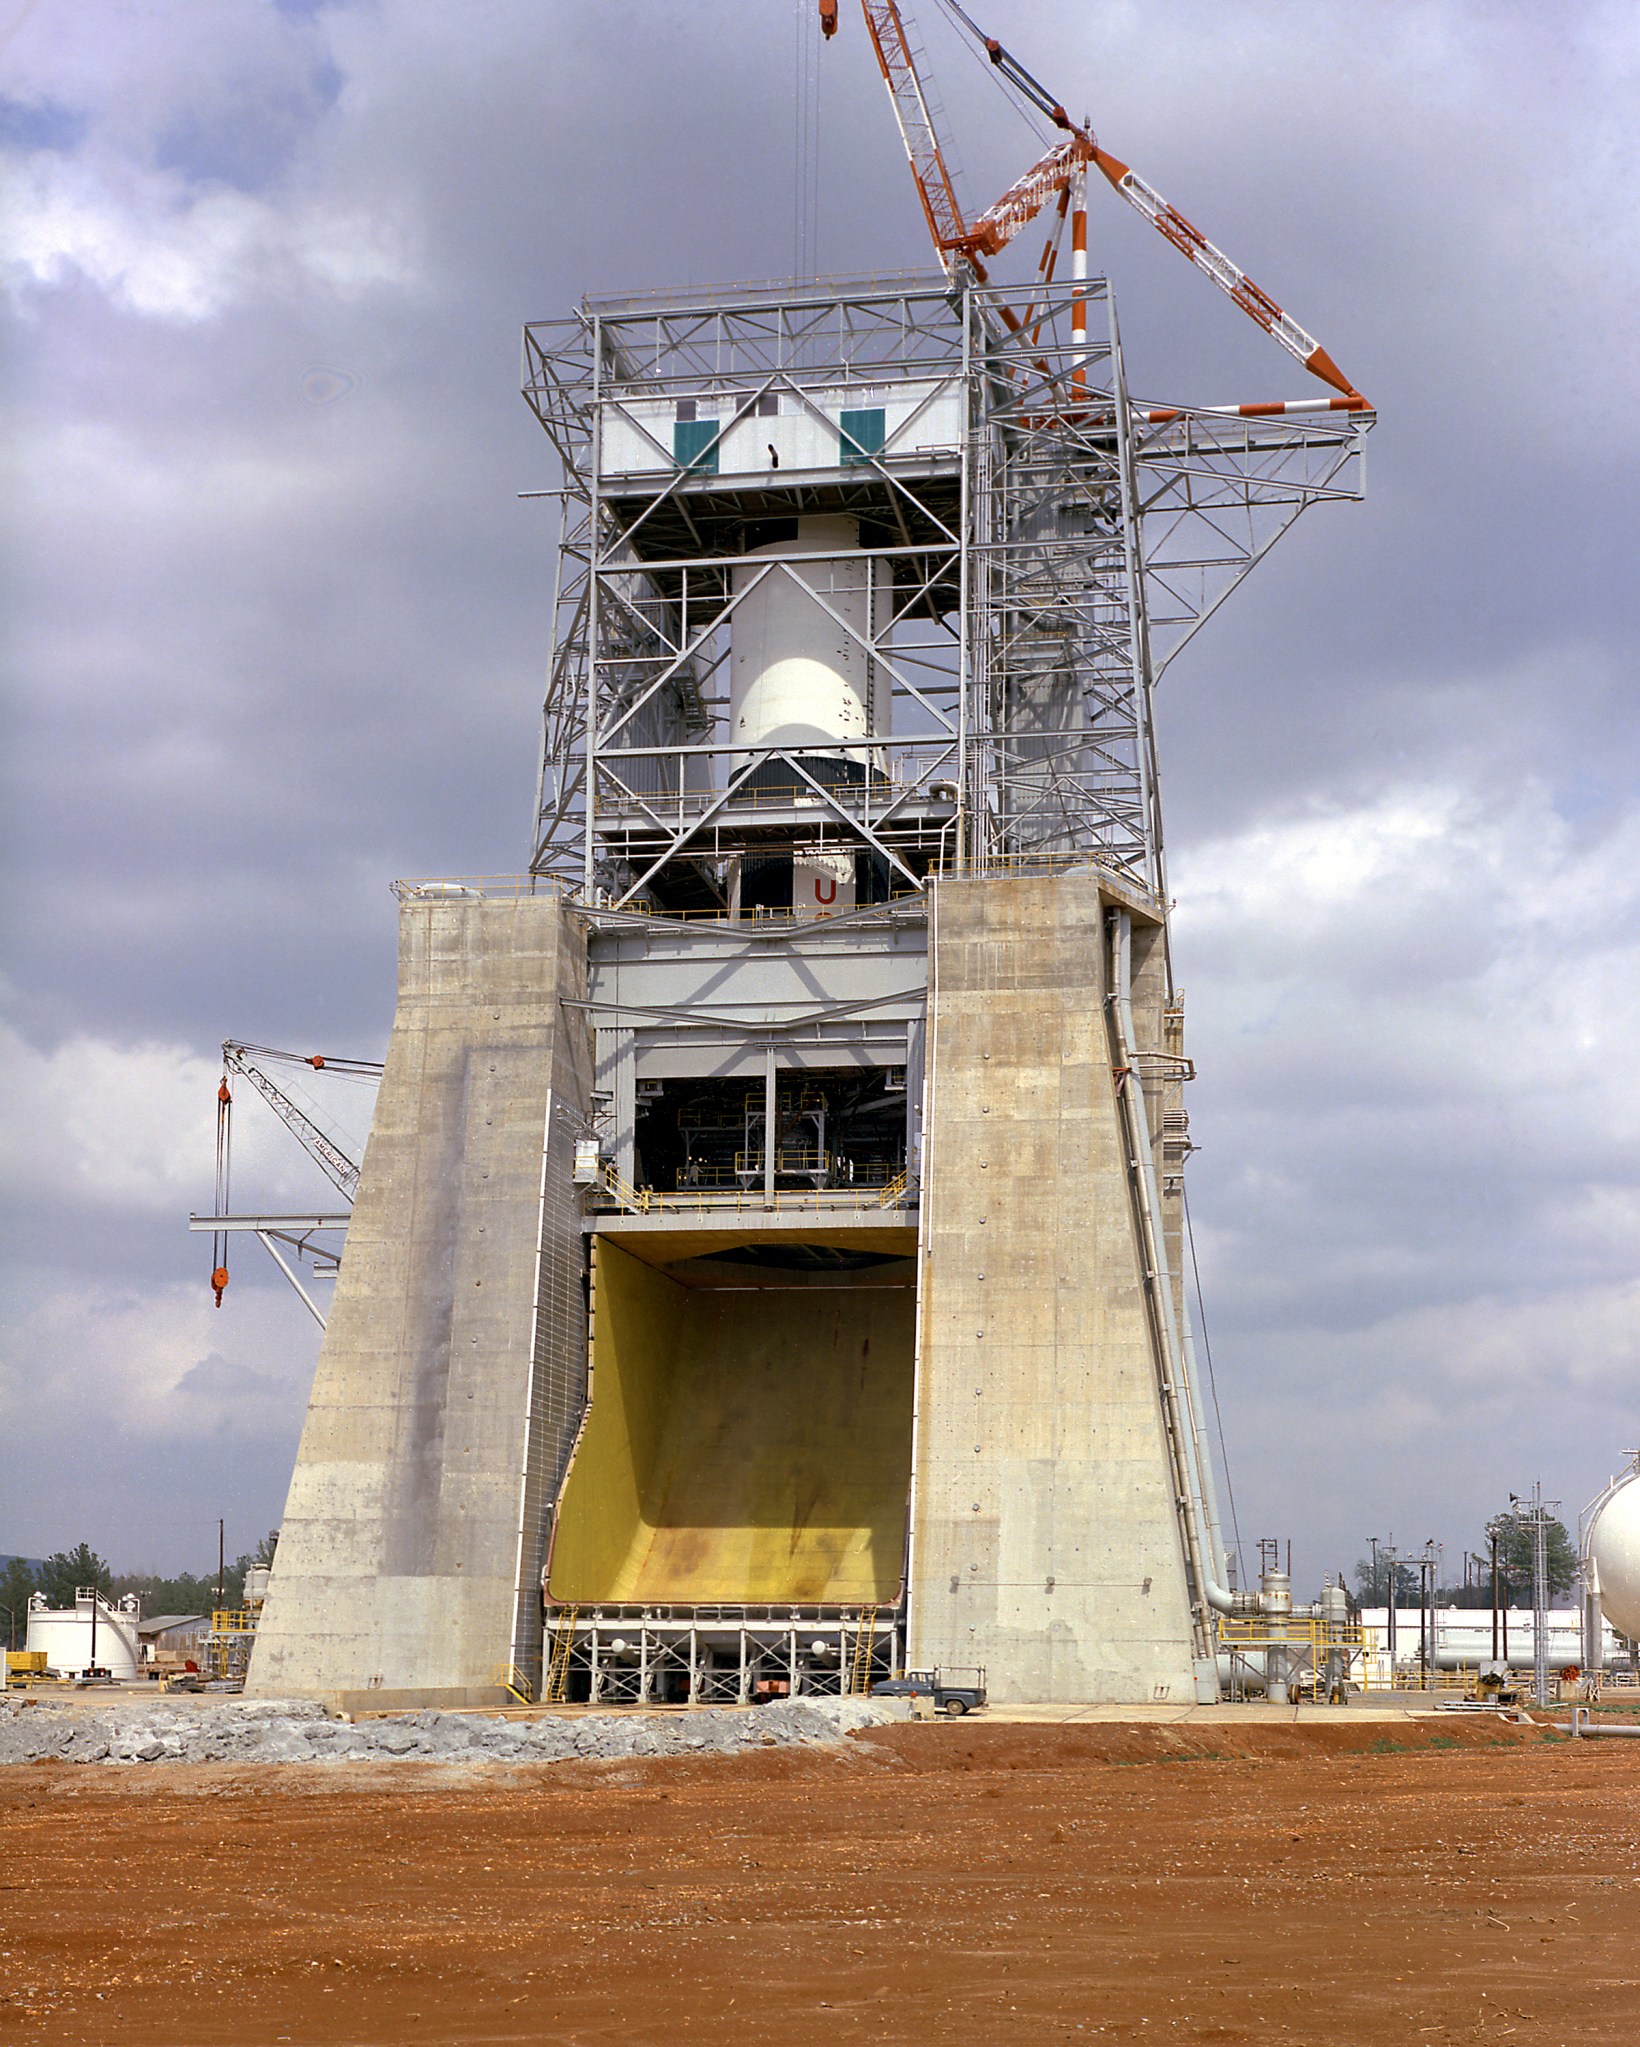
point(967, 1883)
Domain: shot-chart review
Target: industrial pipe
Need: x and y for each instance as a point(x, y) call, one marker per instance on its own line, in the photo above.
point(1211, 1565)
point(1582, 1727)
point(1215, 1523)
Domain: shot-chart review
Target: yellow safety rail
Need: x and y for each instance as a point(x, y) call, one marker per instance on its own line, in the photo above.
point(860, 1198)
point(513, 1681)
point(800, 1160)
point(1406, 1677)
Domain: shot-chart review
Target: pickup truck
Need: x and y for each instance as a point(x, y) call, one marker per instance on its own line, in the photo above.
point(953, 1691)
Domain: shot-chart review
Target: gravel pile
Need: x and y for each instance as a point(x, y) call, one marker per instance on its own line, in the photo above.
point(295, 1731)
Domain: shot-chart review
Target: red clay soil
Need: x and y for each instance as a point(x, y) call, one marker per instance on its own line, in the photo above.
point(960, 1883)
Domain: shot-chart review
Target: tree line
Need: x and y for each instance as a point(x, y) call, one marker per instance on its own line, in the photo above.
point(1514, 1542)
point(66, 1571)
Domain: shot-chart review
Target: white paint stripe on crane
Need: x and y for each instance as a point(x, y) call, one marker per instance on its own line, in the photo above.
point(1161, 414)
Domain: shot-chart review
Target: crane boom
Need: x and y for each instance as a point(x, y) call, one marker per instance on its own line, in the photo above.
point(332, 1161)
point(1026, 197)
point(1230, 278)
point(1060, 169)
point(917, 131)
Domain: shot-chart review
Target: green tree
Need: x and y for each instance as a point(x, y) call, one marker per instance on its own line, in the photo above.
point(182, 1594)
point(190, 1592)
point(1406, 1583)
point(18, 1585)
point(65, 1571)
point(1515, 1545)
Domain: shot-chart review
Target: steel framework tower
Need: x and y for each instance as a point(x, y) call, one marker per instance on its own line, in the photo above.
point(767, 1261)
point(1042, 549)
point(767, 1264)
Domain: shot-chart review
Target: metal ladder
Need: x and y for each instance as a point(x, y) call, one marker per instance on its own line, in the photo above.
point(555, 1689)
point(859, 1677)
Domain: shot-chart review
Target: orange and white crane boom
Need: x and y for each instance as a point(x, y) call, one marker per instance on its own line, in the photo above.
point(922, 143)
point(1230, 278)
point(1060, 170)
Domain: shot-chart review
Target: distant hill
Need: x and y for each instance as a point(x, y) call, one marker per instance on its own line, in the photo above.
point(33, 1562)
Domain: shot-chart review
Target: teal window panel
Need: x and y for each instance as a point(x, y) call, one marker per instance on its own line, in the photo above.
point(692, 447)
point(863, 434)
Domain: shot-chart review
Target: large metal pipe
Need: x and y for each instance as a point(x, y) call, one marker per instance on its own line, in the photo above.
point(1215, 1522)
point(1582, 1726)
point(1175, 1389)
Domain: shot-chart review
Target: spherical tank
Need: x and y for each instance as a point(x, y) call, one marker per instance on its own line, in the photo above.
point(1614, 1544)
point(798, 678)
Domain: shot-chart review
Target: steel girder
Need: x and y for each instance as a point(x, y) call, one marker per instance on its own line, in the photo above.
point(1045, 572)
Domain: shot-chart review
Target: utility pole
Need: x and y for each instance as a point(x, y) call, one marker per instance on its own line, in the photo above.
point(1372, 1544)
point(1536, 1514)
point(1426, 1613)
point(1494, 1595)
point(221, 1560)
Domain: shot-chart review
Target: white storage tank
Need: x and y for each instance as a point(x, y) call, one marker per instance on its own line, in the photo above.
point(799, 679)
point(89, 1635)
point(1614, 1551)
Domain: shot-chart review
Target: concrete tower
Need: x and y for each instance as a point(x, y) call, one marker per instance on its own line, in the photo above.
point(766, 1265)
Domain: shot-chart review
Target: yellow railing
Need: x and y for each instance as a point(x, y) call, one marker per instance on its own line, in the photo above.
point(513, 1681)
point(226, 1651)
point(796, 1161)
point(860, 1199)
point(1406, 1677)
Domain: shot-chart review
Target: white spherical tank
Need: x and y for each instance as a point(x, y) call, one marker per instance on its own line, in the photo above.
point(1614, 1547)
point(799, 679)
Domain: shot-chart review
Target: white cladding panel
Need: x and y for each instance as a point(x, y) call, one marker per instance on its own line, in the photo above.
point(799, 677)
point(919, 418)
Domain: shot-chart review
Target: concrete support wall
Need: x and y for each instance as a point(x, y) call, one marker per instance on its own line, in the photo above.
point(1045, 1540)
point(452, 1373)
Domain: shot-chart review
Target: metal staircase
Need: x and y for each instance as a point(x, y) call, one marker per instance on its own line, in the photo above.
point(555, 1687)
point(859, 1676)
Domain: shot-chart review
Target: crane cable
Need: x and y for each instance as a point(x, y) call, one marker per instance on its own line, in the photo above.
point(1010, 73)
point(224, 1164)
point(806, 149)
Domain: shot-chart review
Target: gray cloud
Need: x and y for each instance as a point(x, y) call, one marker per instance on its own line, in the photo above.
point(278, 628)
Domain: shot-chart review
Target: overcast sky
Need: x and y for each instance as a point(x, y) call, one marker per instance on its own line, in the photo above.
point(277, 624)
